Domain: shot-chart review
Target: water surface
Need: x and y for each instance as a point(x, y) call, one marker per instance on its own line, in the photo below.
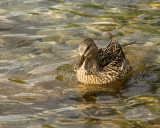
point(39, 46)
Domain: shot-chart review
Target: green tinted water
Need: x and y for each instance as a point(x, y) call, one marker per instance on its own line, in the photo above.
point(39, 46)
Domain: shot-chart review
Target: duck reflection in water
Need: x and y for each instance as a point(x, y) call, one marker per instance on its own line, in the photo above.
point(96, 95)
point(89, 91)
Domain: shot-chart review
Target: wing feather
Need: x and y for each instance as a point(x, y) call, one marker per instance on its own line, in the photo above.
point(111, 55)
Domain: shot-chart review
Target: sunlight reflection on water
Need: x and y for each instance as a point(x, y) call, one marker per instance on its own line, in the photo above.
point(39, 46)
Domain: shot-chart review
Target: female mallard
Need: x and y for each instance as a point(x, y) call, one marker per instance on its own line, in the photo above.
point(101, 66)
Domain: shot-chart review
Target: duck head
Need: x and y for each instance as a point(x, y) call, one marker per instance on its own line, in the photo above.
point(87, 49)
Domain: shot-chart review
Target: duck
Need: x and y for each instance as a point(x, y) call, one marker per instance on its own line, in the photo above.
point(101, 65)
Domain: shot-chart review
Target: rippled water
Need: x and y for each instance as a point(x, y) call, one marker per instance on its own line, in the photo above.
point(39, 46)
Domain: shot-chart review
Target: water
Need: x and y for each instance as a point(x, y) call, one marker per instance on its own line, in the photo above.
point(39, 46)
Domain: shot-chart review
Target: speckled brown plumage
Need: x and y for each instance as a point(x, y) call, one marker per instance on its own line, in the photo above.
point(101, 66)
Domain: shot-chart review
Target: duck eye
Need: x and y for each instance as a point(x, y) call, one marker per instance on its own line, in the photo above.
point(88, 46)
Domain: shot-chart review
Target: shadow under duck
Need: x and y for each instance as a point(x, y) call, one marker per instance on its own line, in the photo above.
point(101, 66)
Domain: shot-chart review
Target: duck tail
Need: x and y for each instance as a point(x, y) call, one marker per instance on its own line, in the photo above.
point(110, 35)
point(127, 44)
point(124, 45)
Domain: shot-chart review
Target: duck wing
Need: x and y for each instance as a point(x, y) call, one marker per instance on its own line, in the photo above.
point(112, 55)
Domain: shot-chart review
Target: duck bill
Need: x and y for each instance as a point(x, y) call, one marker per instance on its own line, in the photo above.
point(79, 63)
